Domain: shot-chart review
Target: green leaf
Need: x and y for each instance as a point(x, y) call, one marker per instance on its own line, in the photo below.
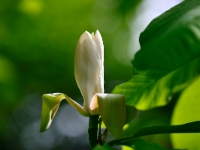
point(131, 113)
point(169, 58)
point(104, 147)
point(192, 127)
point(147, 119)
point(187, 110)
point(139, 144)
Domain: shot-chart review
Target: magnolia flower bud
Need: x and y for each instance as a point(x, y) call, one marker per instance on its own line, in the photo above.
point(89, 75)
point(89, 69)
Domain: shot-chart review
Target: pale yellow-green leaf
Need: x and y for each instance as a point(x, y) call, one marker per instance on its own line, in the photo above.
point(124, 147)
point(187, 110)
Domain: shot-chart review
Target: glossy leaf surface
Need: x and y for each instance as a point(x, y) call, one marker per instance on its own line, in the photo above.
point(192, 127)
point(140, 144)
point(169, 58)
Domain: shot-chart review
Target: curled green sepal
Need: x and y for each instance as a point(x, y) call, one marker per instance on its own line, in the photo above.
point(50, 105)
point(112, 109)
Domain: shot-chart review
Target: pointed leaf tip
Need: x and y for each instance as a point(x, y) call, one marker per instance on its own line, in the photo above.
point(50, 105)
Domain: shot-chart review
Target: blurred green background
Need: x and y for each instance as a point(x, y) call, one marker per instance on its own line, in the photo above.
point(37, 43)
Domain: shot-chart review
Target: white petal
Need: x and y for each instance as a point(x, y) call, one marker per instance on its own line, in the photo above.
point(100, 48)
point(87, 67)
point(99, 42)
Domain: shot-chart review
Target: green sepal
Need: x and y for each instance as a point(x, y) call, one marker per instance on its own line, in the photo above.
point(50, 105)
point(112, 109)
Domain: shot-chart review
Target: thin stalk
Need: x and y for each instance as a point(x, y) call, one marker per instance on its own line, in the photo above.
point(92, 130)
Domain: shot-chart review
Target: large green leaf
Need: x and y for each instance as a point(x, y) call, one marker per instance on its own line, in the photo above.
point(192, 127)
point(139, 144)
point(169, 58)
point(104, 147)
point(136, 144)
point(187, 110)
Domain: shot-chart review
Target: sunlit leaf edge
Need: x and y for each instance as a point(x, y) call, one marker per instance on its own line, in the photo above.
point(191, 127)
point(153, 87)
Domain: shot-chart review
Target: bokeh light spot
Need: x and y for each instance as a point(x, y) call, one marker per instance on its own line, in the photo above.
point(31, 6)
